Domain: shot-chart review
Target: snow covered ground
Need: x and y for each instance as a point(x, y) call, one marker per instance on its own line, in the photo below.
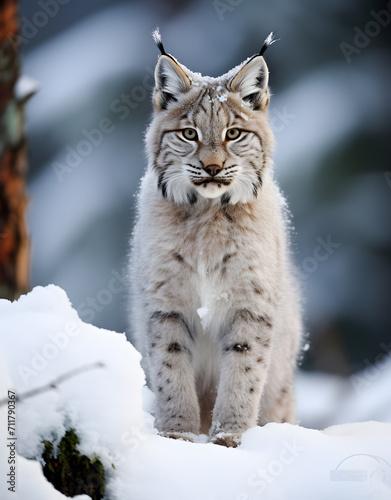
point(42, 337)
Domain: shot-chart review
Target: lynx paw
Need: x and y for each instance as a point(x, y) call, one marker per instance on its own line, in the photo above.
point(185, 436)
point(227, 439)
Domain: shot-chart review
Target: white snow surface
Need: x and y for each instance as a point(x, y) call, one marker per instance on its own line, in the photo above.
point(41, 338)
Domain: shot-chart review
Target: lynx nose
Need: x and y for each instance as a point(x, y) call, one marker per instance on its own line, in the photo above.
point(213, 169)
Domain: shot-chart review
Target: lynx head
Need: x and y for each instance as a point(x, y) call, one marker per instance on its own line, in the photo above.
point(210, 137)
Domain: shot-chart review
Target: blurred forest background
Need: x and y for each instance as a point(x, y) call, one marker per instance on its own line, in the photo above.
point(330, 80)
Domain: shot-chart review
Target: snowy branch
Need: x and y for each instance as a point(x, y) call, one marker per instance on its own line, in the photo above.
point(55, 383)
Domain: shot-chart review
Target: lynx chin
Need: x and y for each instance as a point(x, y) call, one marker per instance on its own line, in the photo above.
point(215, 304)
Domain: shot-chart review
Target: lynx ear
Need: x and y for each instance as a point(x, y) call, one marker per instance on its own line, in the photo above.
point(251, 83)
point(170, 81)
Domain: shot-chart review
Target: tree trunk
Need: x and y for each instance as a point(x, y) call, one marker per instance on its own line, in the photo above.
point(14, 240)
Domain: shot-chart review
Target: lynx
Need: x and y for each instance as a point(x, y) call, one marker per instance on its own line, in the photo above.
point(215, 304)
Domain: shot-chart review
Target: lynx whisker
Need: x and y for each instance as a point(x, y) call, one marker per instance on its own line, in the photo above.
point(193, 166)
point(193, 171)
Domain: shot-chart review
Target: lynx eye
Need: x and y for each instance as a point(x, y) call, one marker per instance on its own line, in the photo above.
point(190, 134)
point(232, 134)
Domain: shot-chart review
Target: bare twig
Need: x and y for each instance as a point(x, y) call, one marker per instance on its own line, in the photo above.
point(55, 383)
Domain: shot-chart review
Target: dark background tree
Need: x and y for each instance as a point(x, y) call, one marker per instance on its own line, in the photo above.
point(14, 240)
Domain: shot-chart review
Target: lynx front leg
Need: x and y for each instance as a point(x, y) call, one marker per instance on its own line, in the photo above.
point(245, 360)
point(278, 404)
point(172, 376)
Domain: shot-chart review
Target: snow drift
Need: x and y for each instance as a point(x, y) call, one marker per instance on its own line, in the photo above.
point(42, 337)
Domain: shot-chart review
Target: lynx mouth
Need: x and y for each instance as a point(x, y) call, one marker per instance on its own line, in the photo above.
point(212, 180)
point(212, 187)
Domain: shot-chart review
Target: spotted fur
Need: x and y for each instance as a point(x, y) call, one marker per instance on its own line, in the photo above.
point(215, 306)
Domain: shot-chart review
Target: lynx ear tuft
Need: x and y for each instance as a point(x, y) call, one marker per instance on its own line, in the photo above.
point(157, 38)
point(251, 81)
point(170, 79)
point(269, 41)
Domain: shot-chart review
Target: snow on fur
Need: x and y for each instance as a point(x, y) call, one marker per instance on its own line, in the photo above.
point(268, 41)
point(157, 38)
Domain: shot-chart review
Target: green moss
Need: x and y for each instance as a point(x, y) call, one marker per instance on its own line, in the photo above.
point(73, 473)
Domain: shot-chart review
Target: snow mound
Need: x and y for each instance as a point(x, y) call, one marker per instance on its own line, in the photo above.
point(42, 337)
